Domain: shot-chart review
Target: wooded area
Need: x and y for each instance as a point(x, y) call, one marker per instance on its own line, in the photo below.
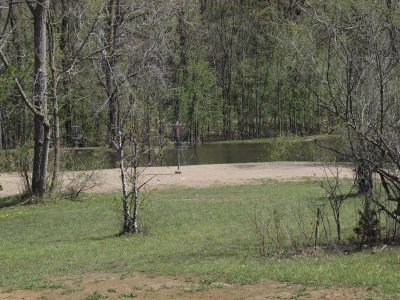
point(226, 69)
point(121, 73)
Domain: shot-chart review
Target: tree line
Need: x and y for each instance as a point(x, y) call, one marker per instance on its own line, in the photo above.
point(222, 69)
point(121, 73)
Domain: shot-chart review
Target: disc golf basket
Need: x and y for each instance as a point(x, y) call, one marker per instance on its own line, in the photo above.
point(180, 145)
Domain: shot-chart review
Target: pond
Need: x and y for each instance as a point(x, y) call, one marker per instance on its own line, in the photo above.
point(219, 154)
point(288, 149)
point(252, 152)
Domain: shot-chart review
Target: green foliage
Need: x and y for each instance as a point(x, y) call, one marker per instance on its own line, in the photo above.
point(72, 159)
point(200, 96)
point(368, 224)
point(232, 70)
point(80, 159)
point(7, 84)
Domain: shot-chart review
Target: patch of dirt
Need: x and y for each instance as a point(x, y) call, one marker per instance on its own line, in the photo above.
point(140, 286)
point(193, 176)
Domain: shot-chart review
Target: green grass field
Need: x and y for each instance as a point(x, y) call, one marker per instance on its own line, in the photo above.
point(206, 233)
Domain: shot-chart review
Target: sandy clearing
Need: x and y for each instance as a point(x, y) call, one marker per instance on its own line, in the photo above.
point(141, 286)
point(193, 176)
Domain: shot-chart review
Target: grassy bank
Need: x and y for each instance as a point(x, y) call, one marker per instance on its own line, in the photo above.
point(197, 232)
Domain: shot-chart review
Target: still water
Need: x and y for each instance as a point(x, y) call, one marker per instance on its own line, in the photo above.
point(247, 153)
point(300, 150)
point(219, 154)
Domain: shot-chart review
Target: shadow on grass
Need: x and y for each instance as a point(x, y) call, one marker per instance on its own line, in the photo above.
point(11, 201)
point(103, 238)
point(25, 198)
point(95, 239)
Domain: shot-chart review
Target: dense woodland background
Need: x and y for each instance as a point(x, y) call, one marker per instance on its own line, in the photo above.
point(225, 69)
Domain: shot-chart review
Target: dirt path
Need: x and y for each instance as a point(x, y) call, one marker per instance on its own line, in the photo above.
point(140, 286)
point(192, 176)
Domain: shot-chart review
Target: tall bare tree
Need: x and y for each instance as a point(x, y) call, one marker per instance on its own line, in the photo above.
point(357, 69)
point(41, 122)
point(38, 105)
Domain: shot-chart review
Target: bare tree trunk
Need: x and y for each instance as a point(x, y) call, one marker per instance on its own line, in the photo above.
point(66, 47)
point(338, 226)
point(56, 117)
point(181, 67)
point(124, 181)
point(129, 199)
point(42, 132)
point(56, 141)
point(113, 23)
point(42, 188)
point(135, 189)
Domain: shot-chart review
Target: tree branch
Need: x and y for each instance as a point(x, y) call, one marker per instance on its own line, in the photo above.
point(31, 8)
point(21, 91)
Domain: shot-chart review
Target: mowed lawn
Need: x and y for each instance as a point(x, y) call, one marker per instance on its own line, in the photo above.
point(203, 233)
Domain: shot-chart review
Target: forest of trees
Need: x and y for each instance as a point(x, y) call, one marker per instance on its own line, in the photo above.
point(112, 72)
point(225, 69)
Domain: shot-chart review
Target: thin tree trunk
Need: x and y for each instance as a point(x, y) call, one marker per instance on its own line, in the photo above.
point(56, 118)
point(44, 160)
point(113, 23)
point(129, 199)
point(56, 141)
point(66, 48)
point(135, 191)
point(125, 195)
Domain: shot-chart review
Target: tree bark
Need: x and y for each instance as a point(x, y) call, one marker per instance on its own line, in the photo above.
point(56, 117)
point(67, 46)
point(113, 23)
point(41, 128)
